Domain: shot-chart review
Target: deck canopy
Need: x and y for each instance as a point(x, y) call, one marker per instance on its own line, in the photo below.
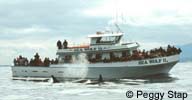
point(100, 34)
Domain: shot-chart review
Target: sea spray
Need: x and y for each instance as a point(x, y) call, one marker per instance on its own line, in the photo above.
point(78, 68)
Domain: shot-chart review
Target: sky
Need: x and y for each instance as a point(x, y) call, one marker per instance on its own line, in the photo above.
point(30, 26)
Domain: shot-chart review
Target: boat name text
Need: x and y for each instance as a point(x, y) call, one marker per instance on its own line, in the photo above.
point(152, 61)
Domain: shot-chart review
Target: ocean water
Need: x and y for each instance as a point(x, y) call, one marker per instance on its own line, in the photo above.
point(179, 80)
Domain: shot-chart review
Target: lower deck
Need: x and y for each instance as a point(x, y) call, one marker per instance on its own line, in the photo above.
point(117, 70)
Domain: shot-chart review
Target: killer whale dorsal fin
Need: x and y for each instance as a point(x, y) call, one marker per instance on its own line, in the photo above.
point(100, 80)
point(54, 79)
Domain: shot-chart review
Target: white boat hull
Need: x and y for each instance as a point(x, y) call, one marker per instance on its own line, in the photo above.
point(116, 70)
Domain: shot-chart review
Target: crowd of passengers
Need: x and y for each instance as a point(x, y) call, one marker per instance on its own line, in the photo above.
point(136, 55)
point(139, 55)
point(23, 61)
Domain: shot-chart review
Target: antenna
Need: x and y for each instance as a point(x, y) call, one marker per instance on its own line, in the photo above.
point(116, 11)
point(118, 28)
point(116, 17)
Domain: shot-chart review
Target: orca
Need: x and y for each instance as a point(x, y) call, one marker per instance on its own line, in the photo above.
point(54, 79)
point(80, 81)
point(100, 81)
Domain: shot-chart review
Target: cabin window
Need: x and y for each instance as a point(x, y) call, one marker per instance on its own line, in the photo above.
point(98, 56)
point(45, 71)
point(68, 57)
point(124, 53)
point(86, 49)
point(112, 56)
point(108, 39)
point(34, 71)
point(60, 72)
point(99, 48)
point(75, 49)
point(117, 38)
point(89, 55)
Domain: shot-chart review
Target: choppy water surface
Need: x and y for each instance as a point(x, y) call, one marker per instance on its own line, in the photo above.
point(180, 79)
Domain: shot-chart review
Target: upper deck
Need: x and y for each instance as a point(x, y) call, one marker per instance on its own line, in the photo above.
point(92, 49)
point(101, 42)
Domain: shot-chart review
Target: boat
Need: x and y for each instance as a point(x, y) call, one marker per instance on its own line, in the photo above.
point(106, 55)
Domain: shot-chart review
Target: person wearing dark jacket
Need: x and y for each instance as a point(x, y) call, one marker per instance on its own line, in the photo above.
point(65, 44)
point(59, 44)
